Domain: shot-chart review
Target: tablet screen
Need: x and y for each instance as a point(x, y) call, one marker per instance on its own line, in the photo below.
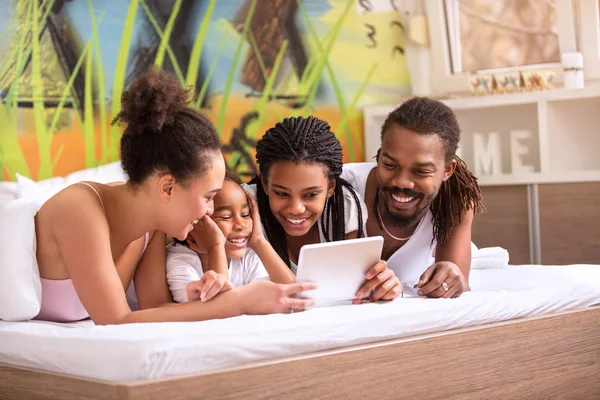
point(338, 268)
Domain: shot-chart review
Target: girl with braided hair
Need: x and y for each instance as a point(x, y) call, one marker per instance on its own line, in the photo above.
point(303, 200)
point(421, 198)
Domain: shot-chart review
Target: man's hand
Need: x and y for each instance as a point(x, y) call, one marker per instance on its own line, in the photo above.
point(382, 281)
point(443, 279)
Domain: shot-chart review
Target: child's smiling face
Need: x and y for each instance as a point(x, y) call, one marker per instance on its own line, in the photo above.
point(297, 194)
point(232, 215)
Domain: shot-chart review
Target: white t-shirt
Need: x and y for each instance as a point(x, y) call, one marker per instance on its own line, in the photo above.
point(416, 255)
point(350, 213)
point(184, 266)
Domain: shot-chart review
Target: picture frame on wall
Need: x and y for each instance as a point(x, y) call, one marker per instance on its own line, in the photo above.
point(570, 32)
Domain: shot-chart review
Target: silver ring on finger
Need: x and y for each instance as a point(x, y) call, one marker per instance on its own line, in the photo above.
point(445, 286)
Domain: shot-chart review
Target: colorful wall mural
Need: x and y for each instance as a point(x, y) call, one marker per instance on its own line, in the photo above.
point(65, 63)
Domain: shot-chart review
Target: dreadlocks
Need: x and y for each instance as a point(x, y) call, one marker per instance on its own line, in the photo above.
point(460, 192)
point(299, 139)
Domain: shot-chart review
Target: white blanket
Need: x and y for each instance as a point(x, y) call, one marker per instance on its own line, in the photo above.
point(140, 352)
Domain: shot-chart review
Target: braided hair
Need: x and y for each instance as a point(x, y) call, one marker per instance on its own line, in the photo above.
point(460, 192)
point(299, 139)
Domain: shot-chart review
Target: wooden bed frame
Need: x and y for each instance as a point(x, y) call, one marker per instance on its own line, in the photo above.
point(553, 356)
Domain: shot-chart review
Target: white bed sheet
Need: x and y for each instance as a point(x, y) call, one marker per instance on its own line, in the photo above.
point(150, 351)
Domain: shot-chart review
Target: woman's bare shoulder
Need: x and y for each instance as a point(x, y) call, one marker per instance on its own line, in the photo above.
point(71, 202)
point(73, 216)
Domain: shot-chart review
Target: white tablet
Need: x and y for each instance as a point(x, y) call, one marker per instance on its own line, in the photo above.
point(338, 268)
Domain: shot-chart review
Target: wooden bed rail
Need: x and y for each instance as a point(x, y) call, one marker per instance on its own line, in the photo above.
point(555, 356)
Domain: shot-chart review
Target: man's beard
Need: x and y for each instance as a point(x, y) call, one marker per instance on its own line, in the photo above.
point(404, 221)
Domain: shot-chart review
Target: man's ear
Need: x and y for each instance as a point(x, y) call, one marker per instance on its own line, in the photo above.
point(449, 169)
point(378, 154)
point(331, 187)
point(263, 182)
point(166, 186)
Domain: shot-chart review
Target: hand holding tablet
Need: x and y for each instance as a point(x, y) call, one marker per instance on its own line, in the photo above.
point(338, 268)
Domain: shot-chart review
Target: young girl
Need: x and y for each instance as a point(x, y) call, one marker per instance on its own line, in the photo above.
point(237, 226)
point(92, 239)
point(302, 199)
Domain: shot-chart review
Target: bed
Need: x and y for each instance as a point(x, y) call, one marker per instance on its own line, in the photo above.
point(524, 331)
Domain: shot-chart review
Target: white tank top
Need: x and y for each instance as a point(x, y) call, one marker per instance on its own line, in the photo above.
point(416, 255)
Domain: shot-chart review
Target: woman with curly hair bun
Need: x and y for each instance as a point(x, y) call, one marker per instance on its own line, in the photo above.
point(94, 239)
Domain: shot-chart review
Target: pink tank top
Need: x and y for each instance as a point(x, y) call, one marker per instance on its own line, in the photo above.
point(60, 302)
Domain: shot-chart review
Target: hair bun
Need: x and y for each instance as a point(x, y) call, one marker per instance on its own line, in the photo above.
point(151, 102)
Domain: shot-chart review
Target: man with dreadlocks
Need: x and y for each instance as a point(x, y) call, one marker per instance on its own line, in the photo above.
point(302, 199)
point(421, 198)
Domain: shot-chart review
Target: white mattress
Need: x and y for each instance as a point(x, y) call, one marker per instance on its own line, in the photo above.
point(141, 352)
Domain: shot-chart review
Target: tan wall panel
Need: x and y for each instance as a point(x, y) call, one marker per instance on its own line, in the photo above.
point(570, 223)
point(506, 222)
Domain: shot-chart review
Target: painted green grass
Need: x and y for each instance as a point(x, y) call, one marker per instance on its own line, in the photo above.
point(44, 132)
point(265, 74)
point(265, 97)
point(196, 54)
point(343, 126)
point(93, 69)
point(7, 60)
point(89, 139)
point(195, 57)
point(164, 39)
point(345, 111)
point(256, 51)
point(100, 83)
point(259, 106)
point(25, 50)
point(193, 67)
point(119, 77)
point(316, 75)
point(66, 94)
point(44, 140)
point(313, 79)
point(232, 70)
point(13, 158)
point(309, 82)
point(87, 120)
point(211, 71)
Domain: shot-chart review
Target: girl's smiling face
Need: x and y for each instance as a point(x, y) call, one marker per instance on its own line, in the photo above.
point(232, 215)
point(297, 194)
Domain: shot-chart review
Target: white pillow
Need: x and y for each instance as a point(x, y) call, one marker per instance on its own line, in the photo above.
point(20, 286)
point(8, 192)
point(41, 191)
